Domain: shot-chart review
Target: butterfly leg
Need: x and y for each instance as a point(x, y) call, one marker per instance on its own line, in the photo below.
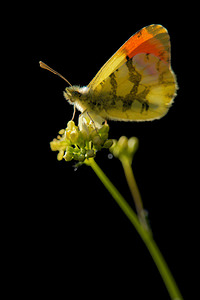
point(86, 112)
point(92, 121)
point(73, 113)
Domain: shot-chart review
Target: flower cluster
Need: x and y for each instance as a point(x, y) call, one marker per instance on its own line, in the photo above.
point(124, 147)
point(81, 142)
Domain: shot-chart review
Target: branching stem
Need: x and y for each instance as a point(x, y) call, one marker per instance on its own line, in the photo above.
point(146, 237)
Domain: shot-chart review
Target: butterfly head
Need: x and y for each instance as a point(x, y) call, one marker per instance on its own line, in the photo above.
point(74, 93)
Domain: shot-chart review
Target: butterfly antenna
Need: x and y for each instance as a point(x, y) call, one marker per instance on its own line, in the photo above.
point(44, 66)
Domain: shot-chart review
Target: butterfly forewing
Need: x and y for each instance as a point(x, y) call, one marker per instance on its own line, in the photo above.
point(151, 39)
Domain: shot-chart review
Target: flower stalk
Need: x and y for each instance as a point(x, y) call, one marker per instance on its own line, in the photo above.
point(124, 150)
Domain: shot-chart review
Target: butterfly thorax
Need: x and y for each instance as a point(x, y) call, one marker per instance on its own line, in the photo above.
point(85, 99)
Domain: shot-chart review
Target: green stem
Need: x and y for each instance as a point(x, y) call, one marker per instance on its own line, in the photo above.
point(134, 191)
point(148, 240)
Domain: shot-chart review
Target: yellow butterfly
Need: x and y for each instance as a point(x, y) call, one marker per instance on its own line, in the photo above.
point(135, 84)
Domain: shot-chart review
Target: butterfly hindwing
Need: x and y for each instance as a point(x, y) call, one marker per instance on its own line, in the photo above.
point(141, 89)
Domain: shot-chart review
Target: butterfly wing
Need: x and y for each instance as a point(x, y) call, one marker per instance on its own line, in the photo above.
point(151, 39)
point(137, 83)
point(141, 89)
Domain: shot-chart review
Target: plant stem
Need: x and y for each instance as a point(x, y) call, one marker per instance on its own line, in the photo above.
point(148, 240)
point(134, 191)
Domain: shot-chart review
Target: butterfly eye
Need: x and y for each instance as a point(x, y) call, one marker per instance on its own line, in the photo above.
point(76, 94)
point(71, 94)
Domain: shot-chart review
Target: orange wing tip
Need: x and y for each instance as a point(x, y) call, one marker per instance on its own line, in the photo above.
point(152, 39)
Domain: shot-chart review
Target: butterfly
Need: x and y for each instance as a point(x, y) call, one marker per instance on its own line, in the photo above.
point(135, 84)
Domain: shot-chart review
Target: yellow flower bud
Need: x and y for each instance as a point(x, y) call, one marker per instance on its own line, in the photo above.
point(108, 143)
point(68, 156)
point(71, 125)
point(97, 140)
point(61, 131)
point(73, 136)
point(60, 155)
point(90, 153)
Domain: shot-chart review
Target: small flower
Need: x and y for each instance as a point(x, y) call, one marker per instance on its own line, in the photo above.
point(81, 142)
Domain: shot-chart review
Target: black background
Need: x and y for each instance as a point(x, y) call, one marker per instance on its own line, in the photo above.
point(68, 233)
